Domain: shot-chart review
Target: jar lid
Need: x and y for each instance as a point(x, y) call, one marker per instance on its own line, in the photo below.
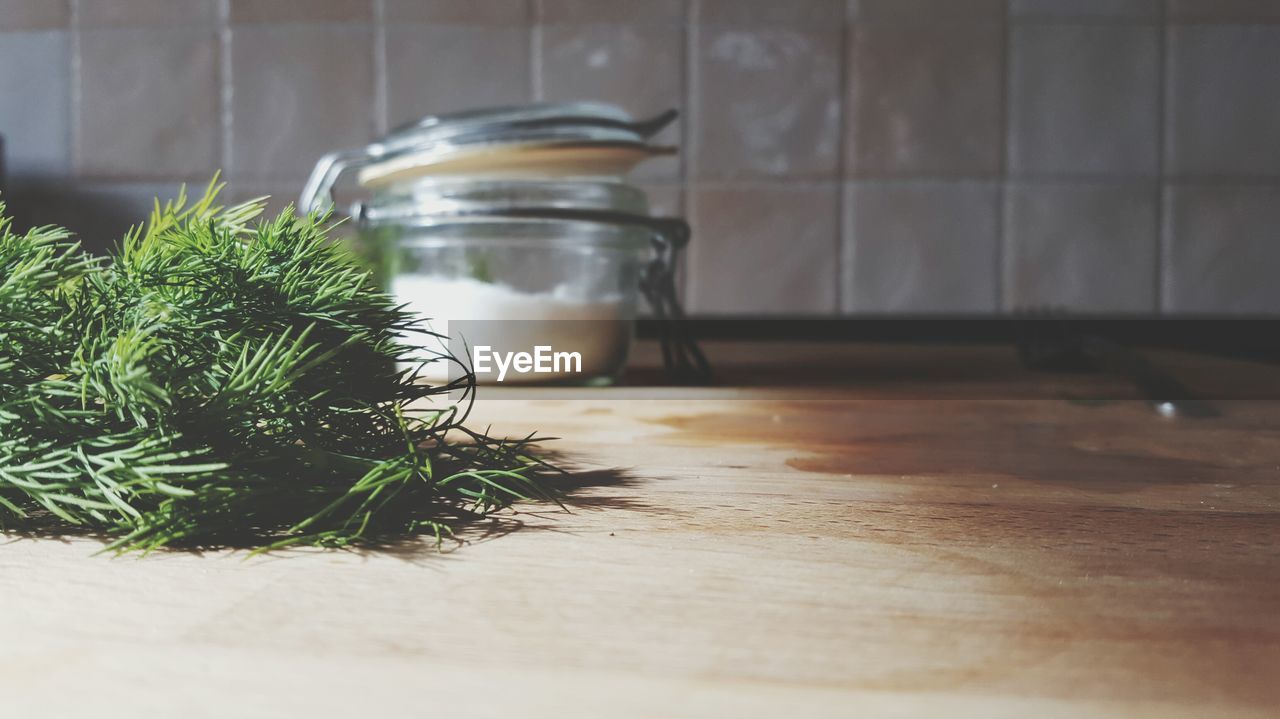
point(581, 121)
point(551, 140)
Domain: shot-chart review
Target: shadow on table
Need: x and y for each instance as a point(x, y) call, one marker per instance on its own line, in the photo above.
point(462, 527)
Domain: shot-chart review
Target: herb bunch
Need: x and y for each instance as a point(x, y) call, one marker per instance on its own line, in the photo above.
point(225, 382)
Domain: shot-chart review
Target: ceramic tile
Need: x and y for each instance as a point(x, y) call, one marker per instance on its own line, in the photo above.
point(35, 118)
point(148, 104)
point(1089, 248)
point(665, 199)
point(821, 13)
point(1084, 99)
point(278, 196)
point(133, 14)
point(1224, 10)
point(464, 12)
point(18, 15)
point(98, 214)
point(921, 247)
point(1114, 9)
point(931, 9)
point(440, 69)
point(302, 11)
point(765, 122)
point(1221, 253)
point(767, 103)
point(765, 249)
point(553, 11)
point(1224, 100)
point(29, 200)
point(639, 67)
point(926, 99)
point(296, 98)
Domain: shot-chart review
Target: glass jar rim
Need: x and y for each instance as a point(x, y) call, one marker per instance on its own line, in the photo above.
point(435, 196)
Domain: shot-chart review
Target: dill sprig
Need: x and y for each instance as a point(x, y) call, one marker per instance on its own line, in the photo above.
point(227, 381)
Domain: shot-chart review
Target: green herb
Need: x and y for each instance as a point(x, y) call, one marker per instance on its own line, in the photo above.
point(220, 382)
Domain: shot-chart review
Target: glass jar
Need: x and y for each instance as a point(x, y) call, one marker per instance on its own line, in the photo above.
point(515, 265)
point(511, 232)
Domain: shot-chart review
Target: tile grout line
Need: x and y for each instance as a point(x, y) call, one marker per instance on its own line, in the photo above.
point(1003, 255)
point(532, 13)
point(1163, 135)
point(381, 81)
point(682, 155)
point(846, 134)
point(226, 87)
point(76, 96)
point(689, 162)
point(1048, 179)
point(1009, 177)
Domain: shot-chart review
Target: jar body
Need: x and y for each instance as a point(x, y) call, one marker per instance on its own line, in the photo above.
point(519, 215)
point(561, 292)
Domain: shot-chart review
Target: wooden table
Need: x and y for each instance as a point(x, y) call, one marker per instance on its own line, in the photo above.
point(832, 536)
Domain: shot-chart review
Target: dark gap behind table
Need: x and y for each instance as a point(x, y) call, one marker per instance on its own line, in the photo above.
point(1254, 338)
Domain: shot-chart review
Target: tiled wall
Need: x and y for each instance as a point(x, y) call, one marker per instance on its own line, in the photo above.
point(840, 156)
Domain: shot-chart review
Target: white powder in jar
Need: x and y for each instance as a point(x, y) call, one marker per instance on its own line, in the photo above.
point(508, 320)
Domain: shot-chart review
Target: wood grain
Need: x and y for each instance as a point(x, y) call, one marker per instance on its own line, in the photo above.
point(802, 549)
